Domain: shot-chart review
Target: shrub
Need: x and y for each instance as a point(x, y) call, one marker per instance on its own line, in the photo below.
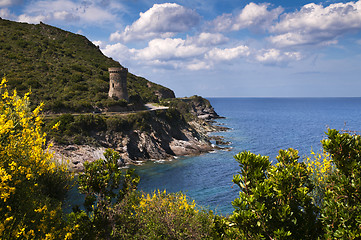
point(274, 201)
point(104, 184)
point(341, 212)
point(32, 185)
point(172, 216)
point(321, 167)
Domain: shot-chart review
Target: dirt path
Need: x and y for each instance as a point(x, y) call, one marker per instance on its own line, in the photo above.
point(152, 107)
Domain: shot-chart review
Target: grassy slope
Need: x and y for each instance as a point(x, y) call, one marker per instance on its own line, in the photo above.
point(64, 70)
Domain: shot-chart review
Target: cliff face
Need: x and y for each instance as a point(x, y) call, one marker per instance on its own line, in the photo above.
point(163, 135)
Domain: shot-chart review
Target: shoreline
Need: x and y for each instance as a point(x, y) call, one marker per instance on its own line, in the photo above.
point(196, 142)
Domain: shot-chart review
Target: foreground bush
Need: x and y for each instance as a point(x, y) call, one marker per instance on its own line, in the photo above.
point(274, 201)
point(341, 211)
point(115, 210)
point(318, 199)
point(171, 216)
point(32, 185)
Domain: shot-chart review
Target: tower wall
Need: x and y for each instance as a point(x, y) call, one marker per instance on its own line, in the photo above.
point(118, 83)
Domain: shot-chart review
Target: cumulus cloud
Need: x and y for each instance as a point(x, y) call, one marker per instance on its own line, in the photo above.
point(118, 50)
point(252, 15)
point(228, 54)
point(85, 12)
point(208, 39)
point(276, 57)
point(169, 48)
point(314, 24)
point(162, 20)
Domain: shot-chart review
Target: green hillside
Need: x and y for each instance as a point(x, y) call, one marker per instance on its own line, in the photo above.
point(62, 69)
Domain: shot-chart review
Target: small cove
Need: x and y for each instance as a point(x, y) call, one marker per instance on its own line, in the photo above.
point(259, 125)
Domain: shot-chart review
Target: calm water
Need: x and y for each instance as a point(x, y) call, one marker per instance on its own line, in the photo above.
point(259, 125)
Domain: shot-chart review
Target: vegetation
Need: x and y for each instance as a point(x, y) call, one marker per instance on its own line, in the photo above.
point(187, 106)
point(64, 70)
point(32, 185)
point(84, 128)
point(275, 200)
point(315, 199)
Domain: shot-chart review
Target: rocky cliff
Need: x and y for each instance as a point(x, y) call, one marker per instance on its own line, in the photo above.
point(154, 135)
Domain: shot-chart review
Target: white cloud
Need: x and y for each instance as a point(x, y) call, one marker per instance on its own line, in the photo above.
point(276, 57)
point(100, 44)
point(162, 20)
point(314, 24)
point(83, 12)
point(208, 39)
point(167, 49)
point(252, 15)
point(32, 19)
point(228, 54)
point(198, 65)
point(118, 51)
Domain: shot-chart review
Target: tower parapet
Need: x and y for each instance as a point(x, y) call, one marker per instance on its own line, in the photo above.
point(118, 83)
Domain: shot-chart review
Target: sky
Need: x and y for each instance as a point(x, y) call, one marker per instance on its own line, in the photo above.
point(219, 48)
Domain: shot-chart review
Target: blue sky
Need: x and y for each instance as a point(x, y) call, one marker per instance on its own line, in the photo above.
point(227, 48)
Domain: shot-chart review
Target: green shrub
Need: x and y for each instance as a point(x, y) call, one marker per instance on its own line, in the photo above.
point(341, 212)
point(274, 201)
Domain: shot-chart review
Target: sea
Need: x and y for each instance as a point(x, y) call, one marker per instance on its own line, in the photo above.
point(260, 125)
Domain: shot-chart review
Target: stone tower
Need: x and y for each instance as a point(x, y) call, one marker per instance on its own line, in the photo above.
point(118, 83)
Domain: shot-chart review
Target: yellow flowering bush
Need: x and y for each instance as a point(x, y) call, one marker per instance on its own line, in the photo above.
point(30, 181)
point(172, 216)
point(321, 167)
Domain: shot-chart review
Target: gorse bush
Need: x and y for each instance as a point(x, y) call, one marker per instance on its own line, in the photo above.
point(320, 167)
point(32, 185)
point(172, 216)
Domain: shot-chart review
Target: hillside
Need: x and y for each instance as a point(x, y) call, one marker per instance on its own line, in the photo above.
point(63, 69)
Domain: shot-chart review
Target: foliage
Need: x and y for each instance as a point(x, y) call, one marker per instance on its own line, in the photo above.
point(274, 201)
point(114, 210)
point(171, 216)
point(320, 166)
point(64, 70)
point(32, 185)
point(83, 128)
point(104, 184)
point(341, 212)
point(186, 106)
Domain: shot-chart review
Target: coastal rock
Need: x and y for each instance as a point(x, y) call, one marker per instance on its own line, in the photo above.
point(202, 108)
point(164, 138)
point(75, 155)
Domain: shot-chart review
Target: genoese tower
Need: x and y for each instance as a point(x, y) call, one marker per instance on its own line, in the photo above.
point(118, 83)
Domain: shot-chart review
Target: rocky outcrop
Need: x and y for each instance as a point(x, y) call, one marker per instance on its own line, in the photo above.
point(165, 136)
point(202, 108)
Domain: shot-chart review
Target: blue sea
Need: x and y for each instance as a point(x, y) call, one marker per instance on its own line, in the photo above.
point(260, 125)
